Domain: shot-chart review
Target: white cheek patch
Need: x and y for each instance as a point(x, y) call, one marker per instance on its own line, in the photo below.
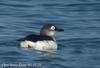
point(52, 28)
point(51, 33)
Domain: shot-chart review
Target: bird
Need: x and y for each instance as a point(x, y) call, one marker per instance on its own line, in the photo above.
point(44, 41)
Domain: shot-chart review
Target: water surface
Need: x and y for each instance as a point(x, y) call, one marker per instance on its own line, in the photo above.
point(78, 45)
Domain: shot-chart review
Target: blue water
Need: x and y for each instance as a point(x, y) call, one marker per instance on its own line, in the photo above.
point(79, 44)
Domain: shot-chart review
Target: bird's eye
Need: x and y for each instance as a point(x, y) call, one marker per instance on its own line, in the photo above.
point(52, 28)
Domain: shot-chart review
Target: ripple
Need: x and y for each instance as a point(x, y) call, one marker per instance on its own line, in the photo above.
point(12, 59)
point(78, 51)
point(50, 5)
point(16, 5)
point(64, 5)
point(74, 7)
point(60, 66)
point(2, 27)
point(22, 0)
point(14, 53)
point(46, 60)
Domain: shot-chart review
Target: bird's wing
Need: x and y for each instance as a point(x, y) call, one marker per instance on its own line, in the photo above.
point(35, 38)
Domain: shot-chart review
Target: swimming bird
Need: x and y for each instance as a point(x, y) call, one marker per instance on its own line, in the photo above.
point(44, 41)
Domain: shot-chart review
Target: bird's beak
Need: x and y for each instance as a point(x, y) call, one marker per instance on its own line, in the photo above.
point(59, 30)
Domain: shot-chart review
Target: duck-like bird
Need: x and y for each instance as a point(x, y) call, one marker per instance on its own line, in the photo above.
point(44, 41)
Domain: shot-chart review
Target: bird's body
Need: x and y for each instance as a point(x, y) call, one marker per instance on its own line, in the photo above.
point(44, 41)
point(38, 42)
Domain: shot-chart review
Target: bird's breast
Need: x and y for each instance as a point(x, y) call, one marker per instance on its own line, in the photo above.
point(40, 45)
